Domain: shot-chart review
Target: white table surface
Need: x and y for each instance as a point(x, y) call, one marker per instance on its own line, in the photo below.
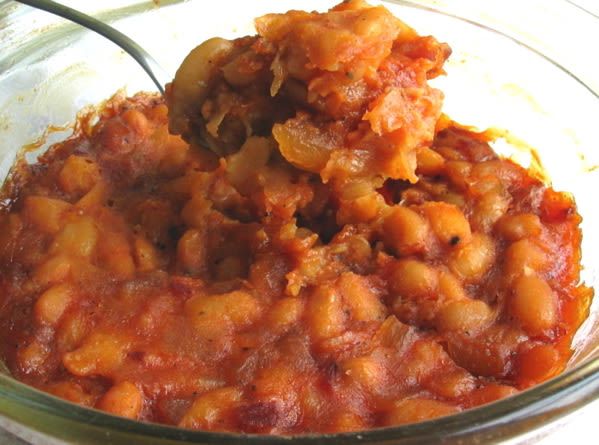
point(7, 438)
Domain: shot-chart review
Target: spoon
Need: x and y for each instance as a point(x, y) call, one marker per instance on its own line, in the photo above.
point(141, 56)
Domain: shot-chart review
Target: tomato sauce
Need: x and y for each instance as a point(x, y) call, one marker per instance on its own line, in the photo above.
point(295, 241)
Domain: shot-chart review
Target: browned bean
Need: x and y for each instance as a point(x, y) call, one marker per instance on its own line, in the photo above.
point(471, 261)
point(516, 227)
point(417, 410)
point(123, 399)
point(468, 316)
point(413, 279)
point(405, 231)
point(448, 223)
point(533, 304)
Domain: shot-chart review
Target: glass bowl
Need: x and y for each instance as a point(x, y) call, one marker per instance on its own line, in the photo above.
point(510, 69)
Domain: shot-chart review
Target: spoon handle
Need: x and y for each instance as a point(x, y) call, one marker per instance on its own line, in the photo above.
point(141, 56)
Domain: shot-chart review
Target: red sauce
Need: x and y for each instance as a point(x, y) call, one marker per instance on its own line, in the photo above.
point(347, 260)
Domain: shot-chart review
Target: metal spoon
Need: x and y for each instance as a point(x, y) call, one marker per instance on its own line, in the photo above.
point(141, 56)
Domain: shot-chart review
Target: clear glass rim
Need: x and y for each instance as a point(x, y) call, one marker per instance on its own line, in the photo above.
point(582, 8)
point(499, 420)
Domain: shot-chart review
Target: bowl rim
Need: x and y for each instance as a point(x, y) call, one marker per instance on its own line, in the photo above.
point(497, 421)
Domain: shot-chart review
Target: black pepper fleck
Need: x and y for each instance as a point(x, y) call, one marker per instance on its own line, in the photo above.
point(454, 240)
